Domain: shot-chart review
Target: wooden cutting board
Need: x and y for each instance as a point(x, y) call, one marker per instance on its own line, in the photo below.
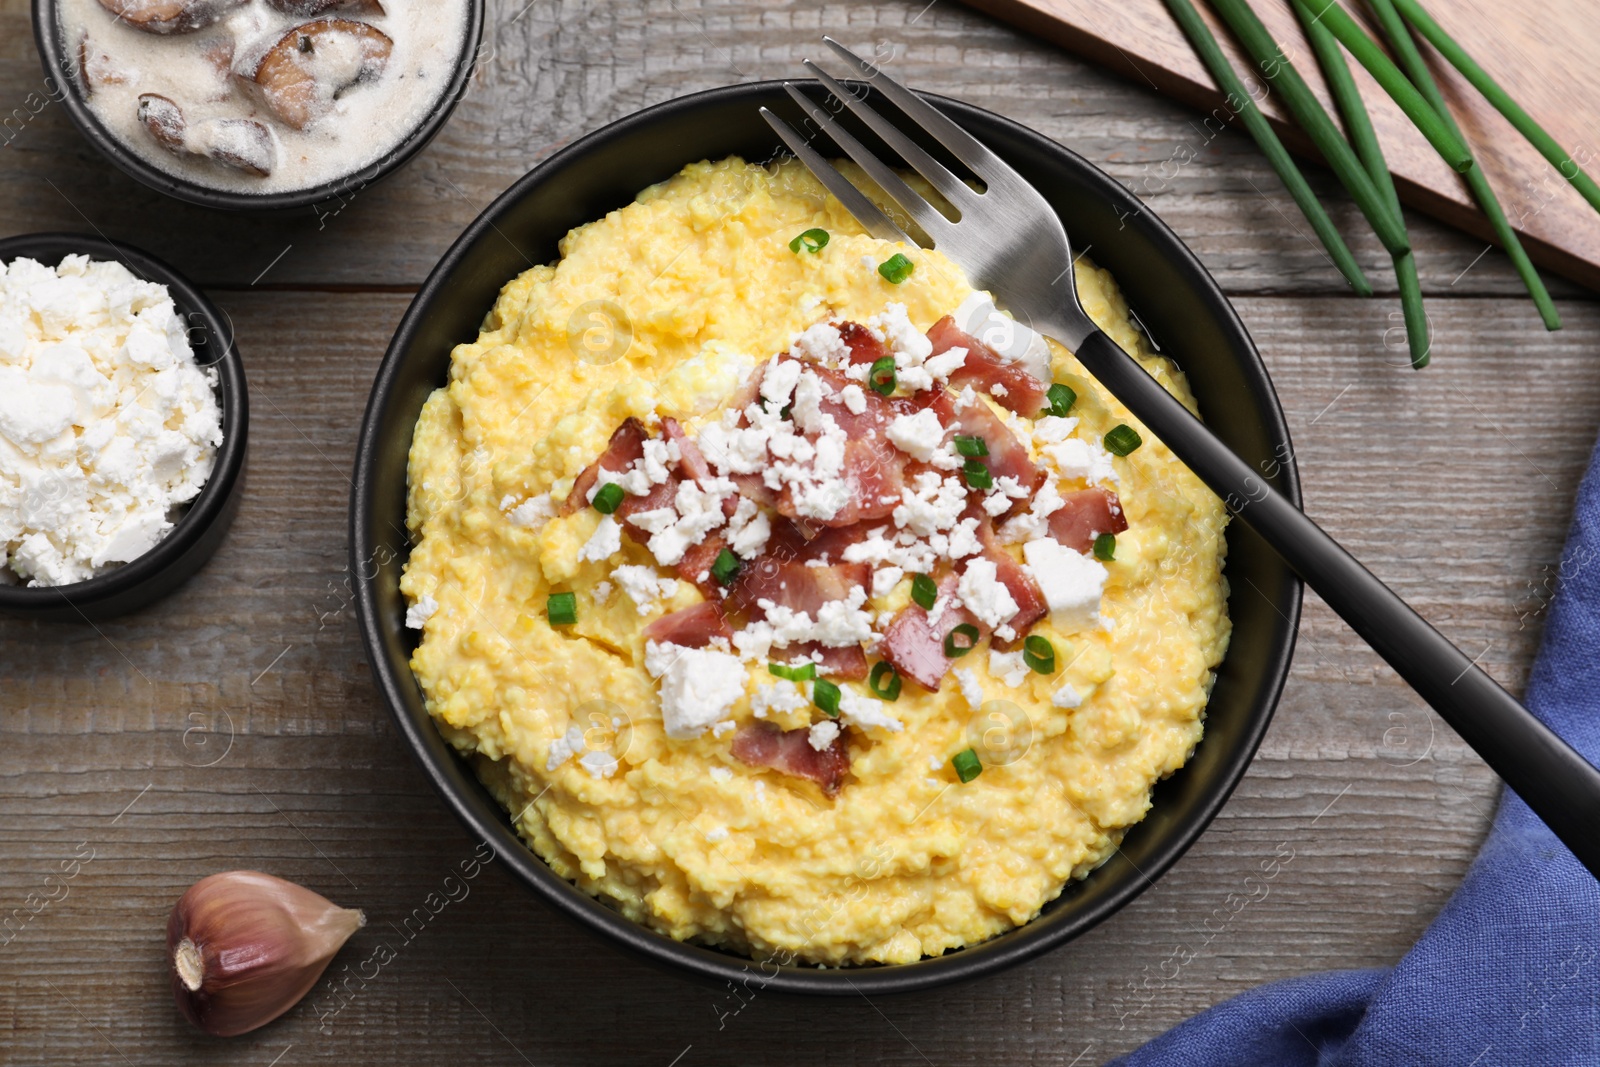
point(1546, 55)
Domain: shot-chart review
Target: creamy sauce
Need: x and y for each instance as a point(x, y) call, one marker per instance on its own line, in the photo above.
point(198, 72)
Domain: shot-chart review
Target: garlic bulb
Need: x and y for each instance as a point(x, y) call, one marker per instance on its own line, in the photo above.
point(245, 947)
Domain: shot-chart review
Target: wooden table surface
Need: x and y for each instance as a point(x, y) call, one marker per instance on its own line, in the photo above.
point(235, 725)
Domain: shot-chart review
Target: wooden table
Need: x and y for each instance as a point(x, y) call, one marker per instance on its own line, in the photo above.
point(235, 725)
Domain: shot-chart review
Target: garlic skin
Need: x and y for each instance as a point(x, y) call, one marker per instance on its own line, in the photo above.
point(245, 947)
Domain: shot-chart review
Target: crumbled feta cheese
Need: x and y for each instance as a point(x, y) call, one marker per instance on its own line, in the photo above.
point(985, 595)
point(884, 579)
point(1066, 697)
point(1076, 458)
point(106, 423)
point(599, 764)
point(930, 504)
point(754, 641)
point(838, 624)
point(604, 542)
point(854, 398)
point(979, 318)
point(1053, 428)
point(532, 512)
point(1072, 583)
point(698, 688)
point(420, 612)
point(644, 586)
point(748, 530)
point(1033, 523)
point(1009, 667)
point(782, 696)
point(565, 747)
point(602, 592)
point(867, 713)
point(946, 363)
point(721, 774)
point(917, 435)
point(822, 734)
point(716, 834)
point(821, 343)
point(971, 688)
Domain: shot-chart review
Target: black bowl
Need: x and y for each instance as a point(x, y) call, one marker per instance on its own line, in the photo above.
point(1176, 300)
point(196, 535)
point(61, 82)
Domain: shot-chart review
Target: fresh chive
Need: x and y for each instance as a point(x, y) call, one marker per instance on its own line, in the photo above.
point(1347, 96)
point(1235, 93)
point(726, 568)
point(889, 691)
point(1405, 49)
point(1061, 397)
point(1105, 547)
point(1039, 654)
point(813, 240)
point(882, 377)
point(825, 695)
point(897, 268)
point(1308, 111)
point(952, 650)
point(923, 591)
point(967, 764)
point(1445, 140)
point(1492, 92)
point(608, 499)
point(977, 475)
point(971, 446)
point(803, 673)
point(1122, 439)
point(786, 411)
point(562, 609)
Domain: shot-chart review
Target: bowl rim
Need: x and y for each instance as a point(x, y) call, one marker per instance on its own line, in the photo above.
point(232, 396)
point(61, 71)
point(437, 761)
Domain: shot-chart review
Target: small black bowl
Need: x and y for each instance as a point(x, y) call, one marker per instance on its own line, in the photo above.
point(196, 535)
point(62, 83)
point(1176, 300)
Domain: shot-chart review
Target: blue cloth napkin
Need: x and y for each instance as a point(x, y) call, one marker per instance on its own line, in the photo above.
point(1509, 973)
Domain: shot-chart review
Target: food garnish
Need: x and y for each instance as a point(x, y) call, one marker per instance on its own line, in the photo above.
point(245, 947)
point(813, 240)
point(923, 591)
point(1061, 398)
point(967, 765)
point(897, 268)
point(825, 695)
point(562, 609)
point(607, 498)
point(961, 640)
point(1105, 547)
point(884, 689)
point(1121, 440)
point(1039, 654)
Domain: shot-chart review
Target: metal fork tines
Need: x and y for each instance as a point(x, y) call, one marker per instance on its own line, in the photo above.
point(1002, 235)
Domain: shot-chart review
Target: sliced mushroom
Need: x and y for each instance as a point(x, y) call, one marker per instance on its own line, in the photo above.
point(307, 9)
point(96, 67)
point(301, 74)
point(169, 16)
point(243, 144)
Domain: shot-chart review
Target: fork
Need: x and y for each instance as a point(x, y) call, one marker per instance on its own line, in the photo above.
point(1010, 242)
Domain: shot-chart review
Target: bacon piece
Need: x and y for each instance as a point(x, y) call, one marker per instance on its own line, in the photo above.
point(985, 368)
point(849, 663)
point(1008, 456)
point(763, 744)
point(916, 648)
point(793, 584)
point(691, 627)
point(864, 347)
point(625, 449)
point(695, 566)
point(691, 464)
point(1024, 589)
point(1085, 515)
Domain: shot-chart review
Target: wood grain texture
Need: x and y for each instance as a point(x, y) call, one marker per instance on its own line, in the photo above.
point(235, 724)
point(1543, 58)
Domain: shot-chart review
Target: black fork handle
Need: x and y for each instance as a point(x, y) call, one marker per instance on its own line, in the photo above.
point(1550, 775)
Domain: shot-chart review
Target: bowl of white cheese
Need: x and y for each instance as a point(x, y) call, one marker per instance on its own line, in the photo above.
point(123, 426)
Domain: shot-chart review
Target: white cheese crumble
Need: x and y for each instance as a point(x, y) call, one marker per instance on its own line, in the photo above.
point(419, 613)
point(822, 734)
point(855, 400)
point(884, 579)
point(782, 696)
point(605, 542)
point(1033, 524)
point(716, 834)
point(917, 435)
point(698, 687)
point(839, 623)
point(106, 423)
point(867, 713)
point(971, 688)
point(985, 595)
point(531, 513)
point(1072, 583)
point(599, 764)
point(1066, 697)
point(644, 586)
point(565, 747)
point(1076, 458)
point(721, 774)
point(1009, 667)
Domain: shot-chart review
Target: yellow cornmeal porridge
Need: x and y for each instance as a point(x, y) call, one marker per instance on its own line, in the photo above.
point(665, 309)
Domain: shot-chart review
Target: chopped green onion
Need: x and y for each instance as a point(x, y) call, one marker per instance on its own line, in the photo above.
point(562, 609)
point(923, 591)
point(890, 691)
point(1039, 654)
point(726, 568)
point(786, 412)
point(803, 673)
point(813, 240)
point(971, 446)
point(897, 268)
point(1105, 547)
point(952, 650)
point(977, 475)
point(608, 499)
point(1061, 398)
point(967, 765)
point(1122, 439)
point(881, 377)
point(825, 695)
